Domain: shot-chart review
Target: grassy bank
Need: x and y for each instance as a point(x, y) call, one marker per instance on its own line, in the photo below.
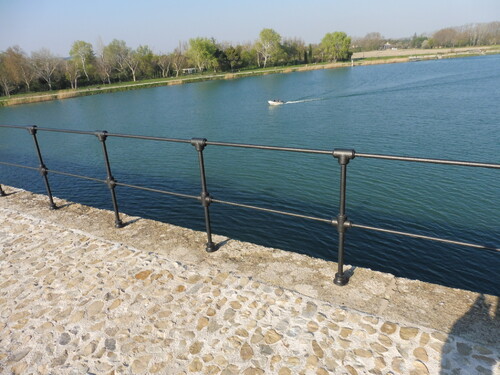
point(125, 86)
point(359, 58)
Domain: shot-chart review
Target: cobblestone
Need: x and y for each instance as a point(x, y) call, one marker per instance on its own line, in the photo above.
point(72, 303)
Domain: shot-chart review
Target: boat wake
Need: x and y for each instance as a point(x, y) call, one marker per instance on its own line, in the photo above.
point(302, 101)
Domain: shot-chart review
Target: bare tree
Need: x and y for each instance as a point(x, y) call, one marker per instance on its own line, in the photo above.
point(164, 62)
point(104, 66)
point(72, 72)
point(371, 42)
point(468, 35)
point(45, 64)
point(493, 33)
point(445, 37)
point(28, 71)
point(179, 59)
point(131, 61)
point(475, 34)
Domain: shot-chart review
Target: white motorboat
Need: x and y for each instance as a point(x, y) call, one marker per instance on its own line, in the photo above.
point(276, 102)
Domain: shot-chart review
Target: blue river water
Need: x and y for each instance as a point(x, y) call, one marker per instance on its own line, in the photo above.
point(446, 109)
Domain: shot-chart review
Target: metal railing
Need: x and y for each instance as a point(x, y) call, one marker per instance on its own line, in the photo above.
point(344, 156)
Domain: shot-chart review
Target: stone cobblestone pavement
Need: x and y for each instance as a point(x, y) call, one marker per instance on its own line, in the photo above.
point(72, 303)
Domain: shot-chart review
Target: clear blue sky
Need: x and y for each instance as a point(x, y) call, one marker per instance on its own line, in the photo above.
point(162, 24)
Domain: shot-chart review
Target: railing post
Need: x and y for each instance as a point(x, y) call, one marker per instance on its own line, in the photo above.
point(199, 144)
point(110, 181)
point(343, 156)
point(42, 168)
point(2, 193)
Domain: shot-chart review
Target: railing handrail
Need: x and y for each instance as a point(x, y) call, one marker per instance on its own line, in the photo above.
point(272, 148)
point(343, 156)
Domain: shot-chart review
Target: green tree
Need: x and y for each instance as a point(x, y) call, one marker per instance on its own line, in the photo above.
point(268, 46)
point(233, 55)
point(7, 80)
point(223, 63)
point(249, 56)
point(12, 65)
point(24, 66)
point(429, 43)
point(115, 55)
point(19, 69)
point(145, 64)
point(202, 52)
point(82, 53)
point(336, 46)
point(295, 50)
point(417, 41)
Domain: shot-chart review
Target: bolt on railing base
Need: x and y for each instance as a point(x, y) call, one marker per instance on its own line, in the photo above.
point(340, 280)
point(119, 224)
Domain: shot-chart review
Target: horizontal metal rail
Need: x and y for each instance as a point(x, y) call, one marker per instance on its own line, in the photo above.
point(343, 157)
point(431, 161)
point(158, 191)
point(87, 132)
point(272, 211)
point(437, 239)
point(18, 165)
point(76, 176)
point(271, 148)
point(274, 148)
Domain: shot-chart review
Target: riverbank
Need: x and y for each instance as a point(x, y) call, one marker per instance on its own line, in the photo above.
point(80, 296)
point(358, 59)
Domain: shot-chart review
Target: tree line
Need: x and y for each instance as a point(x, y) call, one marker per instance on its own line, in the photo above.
point(481, 34)
point(116, 62)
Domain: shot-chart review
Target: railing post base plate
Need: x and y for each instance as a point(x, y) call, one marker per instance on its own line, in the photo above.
point(340, 280)
point(211, 247)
